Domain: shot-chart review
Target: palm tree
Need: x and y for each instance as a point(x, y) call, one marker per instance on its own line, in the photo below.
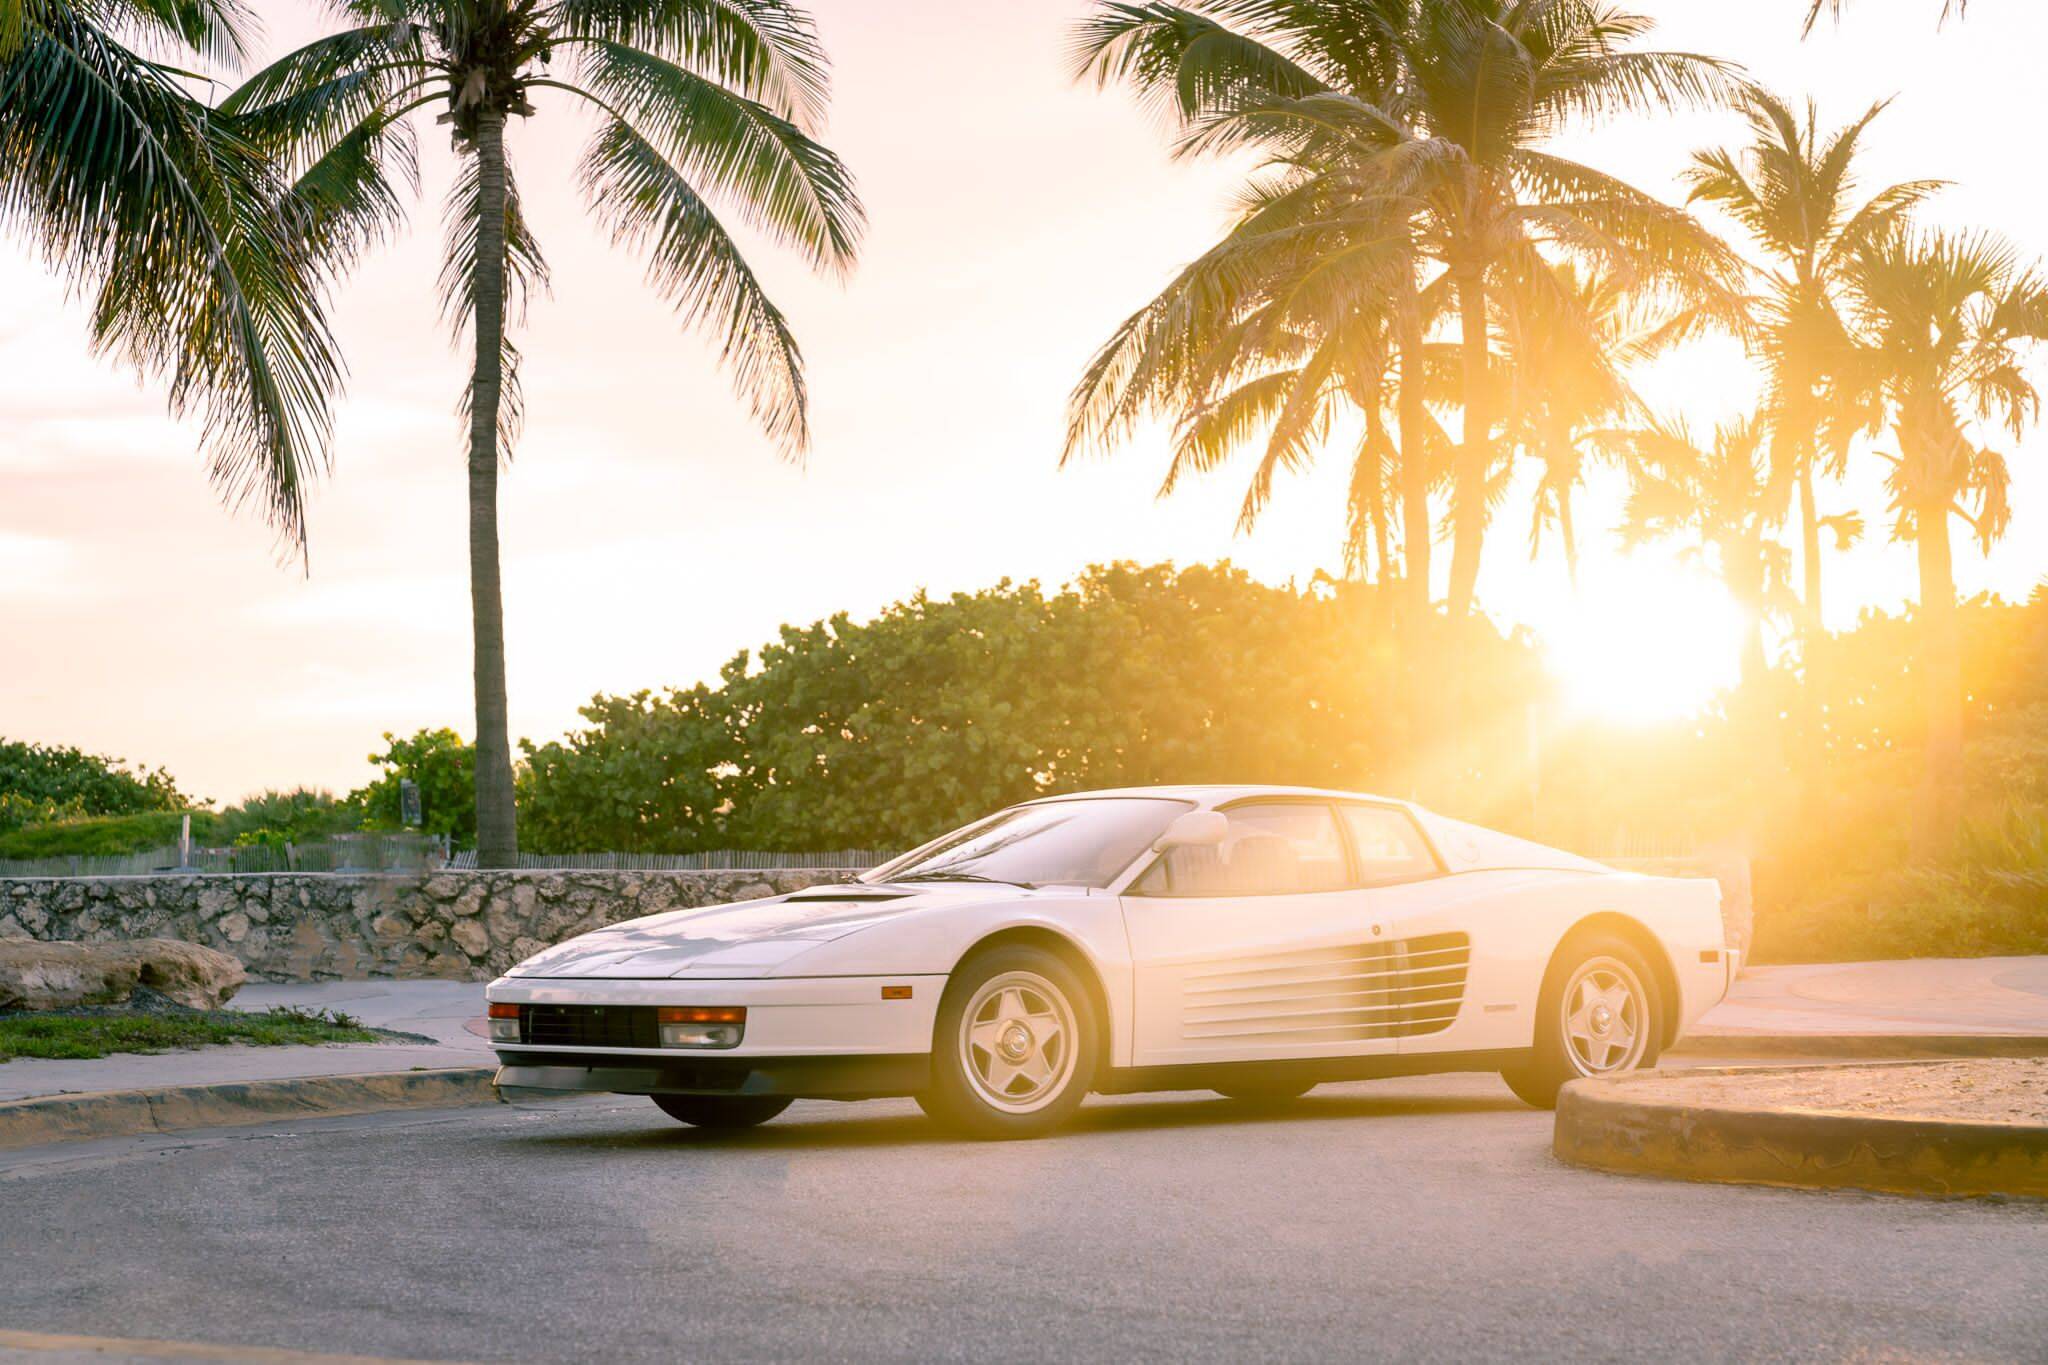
point(1565, 355)
point(178, 229)
point(1793, 190)
point(1409, 138)
point(1489, 84)
point(696, 100)
point(1725, 499)
point(1947, 319)
point(1311, 303)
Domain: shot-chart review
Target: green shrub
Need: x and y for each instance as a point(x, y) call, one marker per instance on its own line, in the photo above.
point(44, 782)
point(1988, 898)
point(277, 818)
point(109, 836)
point(883, 733)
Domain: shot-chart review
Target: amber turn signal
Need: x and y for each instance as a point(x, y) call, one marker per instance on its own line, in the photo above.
point(503, 1010)
point(895, 992)
point(700, 1014)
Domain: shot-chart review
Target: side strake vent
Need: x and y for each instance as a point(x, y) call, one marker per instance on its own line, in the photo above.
point(1331, 995)
point(847, 897)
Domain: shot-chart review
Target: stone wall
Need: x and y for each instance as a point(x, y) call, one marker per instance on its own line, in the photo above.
point(300, 926)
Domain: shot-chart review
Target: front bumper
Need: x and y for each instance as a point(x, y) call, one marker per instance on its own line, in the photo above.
point(827, 1078)
point(823, 1036)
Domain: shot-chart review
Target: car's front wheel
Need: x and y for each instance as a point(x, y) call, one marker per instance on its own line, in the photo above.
point(1599, 1015)
point(722, 1111)
point(1014, 1050)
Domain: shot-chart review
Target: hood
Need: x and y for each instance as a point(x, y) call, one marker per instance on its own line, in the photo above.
point(750, 938)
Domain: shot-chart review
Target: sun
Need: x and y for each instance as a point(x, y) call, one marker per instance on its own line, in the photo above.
point(1648, 639)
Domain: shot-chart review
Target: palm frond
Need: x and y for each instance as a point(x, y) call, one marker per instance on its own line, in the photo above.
point(764, 50)
point(694, 263)
point(1182, 61)
point(136, 192)
point(779, 180)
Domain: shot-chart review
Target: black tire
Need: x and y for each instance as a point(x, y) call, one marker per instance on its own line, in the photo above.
point(1265, 1092)
point(964, 1103)
point(722, 1111)
point(1552, 1061)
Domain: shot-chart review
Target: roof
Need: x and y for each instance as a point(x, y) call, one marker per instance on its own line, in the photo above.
point(1226, 791)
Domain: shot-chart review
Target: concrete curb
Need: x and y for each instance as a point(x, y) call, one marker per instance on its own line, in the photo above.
point(179, 1108)
point(1605, 1126)
point(1861, 1046)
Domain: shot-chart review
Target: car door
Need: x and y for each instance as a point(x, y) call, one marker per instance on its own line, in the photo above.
point(1253, 949)
point(1439, 969)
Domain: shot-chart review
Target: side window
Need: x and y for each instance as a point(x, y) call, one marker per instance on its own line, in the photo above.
point(1271, 850)
point(1389, 847)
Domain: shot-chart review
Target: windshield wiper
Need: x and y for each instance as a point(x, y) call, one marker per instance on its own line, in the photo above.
point(943, 876)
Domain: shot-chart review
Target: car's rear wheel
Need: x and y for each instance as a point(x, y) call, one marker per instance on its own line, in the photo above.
point(1265, 1092)
point(722, 1111)
point(1599, 1015)
point(1014, 1050)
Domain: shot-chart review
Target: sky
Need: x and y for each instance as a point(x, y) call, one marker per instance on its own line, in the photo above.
point(649, 533)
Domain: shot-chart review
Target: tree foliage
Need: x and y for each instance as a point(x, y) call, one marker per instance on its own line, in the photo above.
point(40, 783)
point(845, 734)
point(440, 762)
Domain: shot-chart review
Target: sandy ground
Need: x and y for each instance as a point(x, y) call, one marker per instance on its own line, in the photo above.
point(2001, 1090)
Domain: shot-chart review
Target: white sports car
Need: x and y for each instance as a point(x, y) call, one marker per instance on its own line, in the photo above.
point(1251, 940)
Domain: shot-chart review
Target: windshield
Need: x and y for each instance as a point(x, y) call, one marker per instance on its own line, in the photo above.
point(1085, 842)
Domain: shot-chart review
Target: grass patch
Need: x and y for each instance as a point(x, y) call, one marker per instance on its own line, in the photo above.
point(89, 1033)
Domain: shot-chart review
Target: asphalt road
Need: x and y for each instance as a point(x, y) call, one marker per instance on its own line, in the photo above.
point(1413, 1219)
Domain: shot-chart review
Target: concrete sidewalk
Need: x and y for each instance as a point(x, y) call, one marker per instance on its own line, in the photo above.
point(448, 1012)
point(1929, 997)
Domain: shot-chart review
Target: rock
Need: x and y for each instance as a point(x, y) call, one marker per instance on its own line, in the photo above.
point(48, 976)
point(470, 901)
point(390, 926)
point(430, 934)
point(235, 927)
point(501, 925)
point(470, 937)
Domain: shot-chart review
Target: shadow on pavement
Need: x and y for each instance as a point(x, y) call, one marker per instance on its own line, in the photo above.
point(856, 1125)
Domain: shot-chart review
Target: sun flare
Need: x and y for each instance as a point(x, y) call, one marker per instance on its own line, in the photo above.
point(1651, 641)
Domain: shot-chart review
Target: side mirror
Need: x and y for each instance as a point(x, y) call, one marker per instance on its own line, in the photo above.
point(1196, 828)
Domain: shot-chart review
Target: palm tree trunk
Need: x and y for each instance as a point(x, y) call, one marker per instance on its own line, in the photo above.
point(1376, 452)
point(1746, 585)
point(1569, 536)
point(1809, 542)
point(1941, 682)
point(1415, 527)
point(497, 833)
point(1468, 477)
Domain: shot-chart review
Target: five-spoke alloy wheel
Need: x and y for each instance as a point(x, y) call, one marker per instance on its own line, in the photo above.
point(1014, 1051)
point(1599, 1015)
point(1605, 1030)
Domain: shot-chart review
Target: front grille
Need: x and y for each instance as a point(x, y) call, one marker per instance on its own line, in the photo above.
point(1331, 995)
point(589, 1026)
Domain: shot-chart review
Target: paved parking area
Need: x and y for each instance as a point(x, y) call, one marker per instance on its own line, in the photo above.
point(1411, 1219)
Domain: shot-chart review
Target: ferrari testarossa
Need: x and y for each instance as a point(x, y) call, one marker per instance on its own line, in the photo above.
point(1255, 941)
